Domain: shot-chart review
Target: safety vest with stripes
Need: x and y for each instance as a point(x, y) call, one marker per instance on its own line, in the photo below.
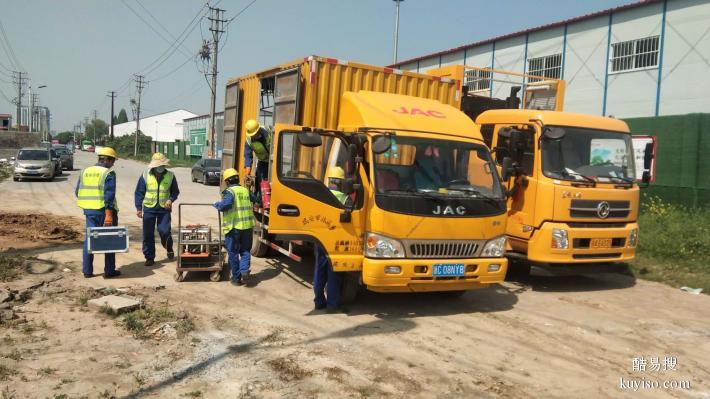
point(91, 188)
point(342, 197)
point(240, 216)
point(260, 150)
point(157, 193)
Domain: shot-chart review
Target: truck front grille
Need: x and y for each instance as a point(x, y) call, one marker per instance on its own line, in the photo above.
point(430, 249)
point(593, 209)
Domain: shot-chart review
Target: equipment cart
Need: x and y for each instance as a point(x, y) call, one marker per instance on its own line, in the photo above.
point(198, 251)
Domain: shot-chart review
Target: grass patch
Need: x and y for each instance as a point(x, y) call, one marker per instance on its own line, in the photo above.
point(141, 322)
point(6, 372)
point(45, 371)
point(674, 245)
point(193, 394)
point(6, 171)
point(10, 267)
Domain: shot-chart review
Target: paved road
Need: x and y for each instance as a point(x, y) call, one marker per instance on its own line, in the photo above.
point(545, 337)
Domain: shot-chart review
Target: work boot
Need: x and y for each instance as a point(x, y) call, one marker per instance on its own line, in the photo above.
point(236, 282)
point(87, 275)
point(339, 309)
point(149, 262)
point(115, 273)
point(171, 255)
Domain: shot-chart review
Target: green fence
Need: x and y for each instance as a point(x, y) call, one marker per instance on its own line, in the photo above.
point(682, 162)
point(174, 150)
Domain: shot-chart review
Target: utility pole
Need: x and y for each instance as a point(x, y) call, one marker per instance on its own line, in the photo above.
point(19, 80)
point(396, 29)
point(140, 85)
point(34, 101)
point(112, 94)
point(217, 28)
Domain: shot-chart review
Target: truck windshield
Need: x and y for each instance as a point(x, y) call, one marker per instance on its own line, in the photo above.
point(441, 177)
point(589, 155)
point(33, 155)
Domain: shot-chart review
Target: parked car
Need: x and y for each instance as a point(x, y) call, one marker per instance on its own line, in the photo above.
point(207, 171)
point(66, 157)
point(90, 148)
point(35, 163)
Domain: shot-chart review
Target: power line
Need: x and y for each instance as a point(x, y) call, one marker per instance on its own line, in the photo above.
point(11, 53)
point(159, 23)
point(239, 13)
point(148, 24)
point(174, 70)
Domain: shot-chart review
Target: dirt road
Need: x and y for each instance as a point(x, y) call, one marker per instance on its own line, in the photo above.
point(584, 337)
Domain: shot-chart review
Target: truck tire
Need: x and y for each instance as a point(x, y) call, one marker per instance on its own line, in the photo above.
point(351, 287)
point(518, 270)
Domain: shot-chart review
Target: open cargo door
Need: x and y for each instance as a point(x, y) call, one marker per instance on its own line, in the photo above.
point(304, 207)
point(230, 138)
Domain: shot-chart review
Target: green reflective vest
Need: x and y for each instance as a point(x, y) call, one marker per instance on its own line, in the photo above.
point(91, 188)
point(157, 193)
point(241, 215)
point(342, 197)
point(261, 152)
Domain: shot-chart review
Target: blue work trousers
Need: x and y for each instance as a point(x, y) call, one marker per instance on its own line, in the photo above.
point(327, 284)
point(87, 264)
point(238, 245)
point(150, 220)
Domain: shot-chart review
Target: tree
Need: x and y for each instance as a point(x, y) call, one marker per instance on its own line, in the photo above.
point(65, 137)
point(121, 118)
point(96, 131)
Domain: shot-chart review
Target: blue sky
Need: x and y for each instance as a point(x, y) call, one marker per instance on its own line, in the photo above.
point(81, 49)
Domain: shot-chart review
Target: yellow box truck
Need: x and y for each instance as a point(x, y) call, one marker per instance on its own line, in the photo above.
point(573, 192)
point(424, 208)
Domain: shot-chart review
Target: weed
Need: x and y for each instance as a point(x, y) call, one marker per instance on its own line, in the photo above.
point(288, 369)
point(61, 396)
point(10, 267)
point(133, 323)
point(193, 394)
point(105, 309)
point(141, 321)
point(6, 372)
point(140, 380)
point(46, 371)
point(15, 355)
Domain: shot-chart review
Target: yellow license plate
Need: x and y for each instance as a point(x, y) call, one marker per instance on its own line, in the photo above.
point(600, 243)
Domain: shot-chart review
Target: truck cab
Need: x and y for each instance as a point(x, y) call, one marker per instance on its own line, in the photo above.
point(573, 196)
point(425, 208)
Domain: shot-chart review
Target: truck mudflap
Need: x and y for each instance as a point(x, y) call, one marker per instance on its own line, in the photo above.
point(585, 245)
point(420, 275)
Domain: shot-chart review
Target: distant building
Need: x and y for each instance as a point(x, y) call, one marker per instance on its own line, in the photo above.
point(646, 58)
point(194, 131)
point(167, 126)
point(5, 121)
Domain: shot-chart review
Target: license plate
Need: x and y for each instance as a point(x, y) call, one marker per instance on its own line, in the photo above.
point(448, 269)
point(31, 172)
point(600, 243)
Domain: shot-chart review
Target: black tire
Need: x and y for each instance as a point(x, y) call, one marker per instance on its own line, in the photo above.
point(351, 287)
point(204, 179)
point(192, 176)
point(518, 270)
point(258, 248)
point(15, 179)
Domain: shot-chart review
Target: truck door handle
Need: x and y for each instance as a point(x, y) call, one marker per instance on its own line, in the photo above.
point(288, 210)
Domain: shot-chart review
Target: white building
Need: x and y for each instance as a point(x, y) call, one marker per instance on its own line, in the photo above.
point(162, 127)
point(647, 58)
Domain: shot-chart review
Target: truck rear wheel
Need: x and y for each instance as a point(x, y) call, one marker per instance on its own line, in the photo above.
point(351, 287)
point(258, 248)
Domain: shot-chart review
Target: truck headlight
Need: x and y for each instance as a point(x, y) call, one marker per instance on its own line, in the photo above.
point(633, 238)
point(379, 246)
point(559, 239)
point(494, 248)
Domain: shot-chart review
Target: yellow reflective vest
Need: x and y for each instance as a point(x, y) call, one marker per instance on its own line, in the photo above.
point(91, 188)
point(240, 216)
point(157, 193)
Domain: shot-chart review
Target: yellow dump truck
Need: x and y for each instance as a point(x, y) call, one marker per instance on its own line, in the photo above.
point(573, 192)
point(421, 206)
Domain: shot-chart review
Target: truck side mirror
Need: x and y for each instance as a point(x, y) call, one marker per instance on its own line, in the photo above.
point(648, 156)
point(310, 139)
point(380, 144)
point(508, 169)
point(553, 133)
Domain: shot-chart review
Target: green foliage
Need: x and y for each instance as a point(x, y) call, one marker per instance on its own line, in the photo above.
point(122, 117)
point(674, 244)
point(96, 130)
point(66, 137)
point(124, 145)
point(5, 172)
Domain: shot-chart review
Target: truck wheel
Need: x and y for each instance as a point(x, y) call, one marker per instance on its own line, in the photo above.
point(258, 248)
point(518, 270)
point(15, 179)
point(351, 287)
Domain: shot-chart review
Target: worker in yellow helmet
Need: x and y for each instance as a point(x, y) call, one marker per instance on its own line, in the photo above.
point(257, 143)
point(237, 225)
point(327, 284)
point(156, 190)
point(96, 195)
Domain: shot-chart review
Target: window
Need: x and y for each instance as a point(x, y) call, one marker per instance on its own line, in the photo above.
point(549, 66)
point(634, 54)
point(477, 80)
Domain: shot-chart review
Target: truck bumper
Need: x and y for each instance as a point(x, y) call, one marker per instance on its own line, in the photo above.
point(416, 274)
point(580, 246)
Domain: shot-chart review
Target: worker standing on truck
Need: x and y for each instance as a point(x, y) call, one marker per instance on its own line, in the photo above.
point(327, 284)
point(96, 195)
point(155, 193)
point(258, 142)
point(237, 225)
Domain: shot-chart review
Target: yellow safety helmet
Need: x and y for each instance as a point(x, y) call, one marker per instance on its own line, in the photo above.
point(107, 152)
point(336, 173)
point(231, 172)
point(252, 127)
